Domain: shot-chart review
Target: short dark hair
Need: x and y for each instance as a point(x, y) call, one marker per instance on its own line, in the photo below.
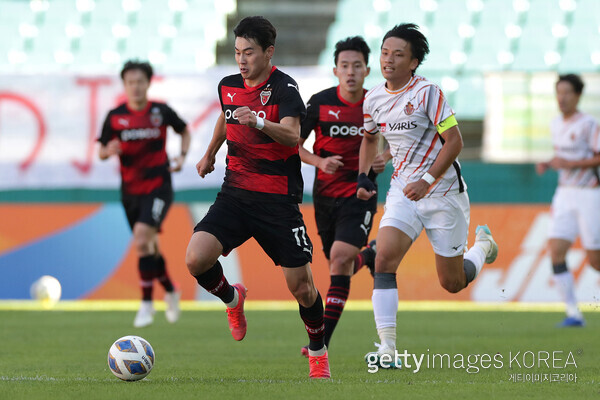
point(257, 28)
point(356, 43)
point(574, 80)
point(419, 46)
point(143, 66)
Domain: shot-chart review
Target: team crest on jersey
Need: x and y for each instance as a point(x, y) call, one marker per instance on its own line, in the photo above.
point(156, 118)
point(409, 108)
point(265, 95)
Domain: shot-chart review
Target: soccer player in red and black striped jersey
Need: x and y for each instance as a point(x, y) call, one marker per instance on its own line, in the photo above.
point(260, 120)
point(343, 220)
point(136, 131)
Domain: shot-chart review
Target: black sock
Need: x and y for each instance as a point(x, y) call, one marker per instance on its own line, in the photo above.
point(334, 304)
point(313, 322)
point(161, 274)
point(559, 268)
point(470, 270)
point(147, 270)
point(215, 283)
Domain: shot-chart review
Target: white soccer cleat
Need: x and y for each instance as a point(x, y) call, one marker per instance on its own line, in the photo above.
point(483, 234)
point(145, 315)
point(172, 301)
point(384, 358)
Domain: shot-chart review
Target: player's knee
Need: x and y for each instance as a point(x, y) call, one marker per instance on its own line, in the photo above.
point(143, 245)
point(196, 264)
point(385, 264)
point(452, 285)
point(341, 264)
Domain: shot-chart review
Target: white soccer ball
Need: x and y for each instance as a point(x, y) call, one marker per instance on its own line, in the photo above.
point(47, 289)
point(131, 358)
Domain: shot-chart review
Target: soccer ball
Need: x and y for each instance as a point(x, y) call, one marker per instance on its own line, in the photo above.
point(47, 290)
point(131, 358)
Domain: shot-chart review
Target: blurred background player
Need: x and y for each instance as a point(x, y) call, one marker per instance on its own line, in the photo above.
point(427, 189)
point(343, 220)
point(576, 202)
point(136, 131)
point(260, 119)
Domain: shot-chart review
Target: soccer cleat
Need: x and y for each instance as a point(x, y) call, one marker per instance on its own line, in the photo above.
point(304, 351)
point(482, 233)
point(384, 358)
point(370, 259)
point(172, 301)
point(571, 322)
point(235, 315)
point(319, 366)
point(145, 315)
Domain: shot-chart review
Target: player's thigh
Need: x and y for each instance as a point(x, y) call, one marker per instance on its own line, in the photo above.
point(154, 207)
point(563, 222)
point(355, 221)
point(446, 221)
point(203, 251)
point(588, 217)
point(280, 230)
point(325, 218)
point(227, 221)
point(392, 245)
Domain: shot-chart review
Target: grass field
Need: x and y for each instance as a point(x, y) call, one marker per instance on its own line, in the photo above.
point(62, 355)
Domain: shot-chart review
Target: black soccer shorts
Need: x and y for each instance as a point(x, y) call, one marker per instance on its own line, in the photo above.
point(150, 208)
point(347, 219)
point(278, 228)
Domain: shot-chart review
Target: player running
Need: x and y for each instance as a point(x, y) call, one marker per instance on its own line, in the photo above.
point(343, 220)
point(136, 131)
point(427, 189)
point(260, 119)
point(575, 206)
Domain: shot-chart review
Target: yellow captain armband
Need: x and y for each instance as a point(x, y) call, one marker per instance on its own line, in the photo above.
point(446, 124)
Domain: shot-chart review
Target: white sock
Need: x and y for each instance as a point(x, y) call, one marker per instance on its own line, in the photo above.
point(385, 308)
point(566, 285)
point(476, 255)
point(317, 353)
point(236, 297)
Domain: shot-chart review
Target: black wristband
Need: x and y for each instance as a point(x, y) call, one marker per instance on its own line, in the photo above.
point(365, 183)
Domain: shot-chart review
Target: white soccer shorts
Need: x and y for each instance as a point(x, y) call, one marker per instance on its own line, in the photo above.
point(445, 219)
point(576, 211)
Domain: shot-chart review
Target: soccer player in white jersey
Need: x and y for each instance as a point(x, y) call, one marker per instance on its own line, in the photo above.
point(576, 202)
point(427, 189)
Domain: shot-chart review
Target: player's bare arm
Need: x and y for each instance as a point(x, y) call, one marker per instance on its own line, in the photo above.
point(177, 162)
point(368, 152)
point(561, 163)
point(381, 160)
point(452, 147)
point(112, 148)
point(207, 164)
point(285, 132)
point(326, 164)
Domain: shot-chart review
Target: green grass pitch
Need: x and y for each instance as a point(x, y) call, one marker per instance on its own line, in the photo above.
point(62, 355)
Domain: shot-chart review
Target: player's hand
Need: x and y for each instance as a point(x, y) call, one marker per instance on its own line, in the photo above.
point(365, 188)
point(330, 164)
point(113, 147)
point(205, 166)
point(245, 116)
point(379, 163)
point(559, 163)
point(541, 167)
point(176, 164)
point(416, 190)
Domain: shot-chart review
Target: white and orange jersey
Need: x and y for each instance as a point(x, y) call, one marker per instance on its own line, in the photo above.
point(576, 138)
point(411, 119)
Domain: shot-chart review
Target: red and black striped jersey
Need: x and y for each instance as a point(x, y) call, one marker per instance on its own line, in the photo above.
point(143, 136)
point(259, 168)
point(338, 127)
